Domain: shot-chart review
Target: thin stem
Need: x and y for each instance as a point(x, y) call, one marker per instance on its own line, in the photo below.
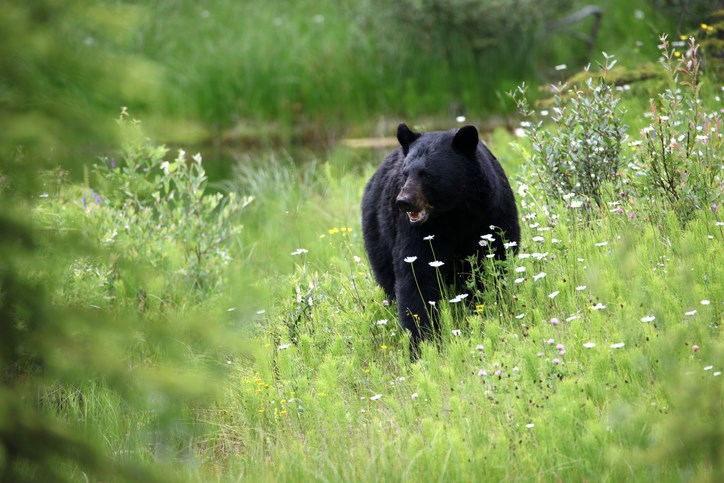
point(424, 302)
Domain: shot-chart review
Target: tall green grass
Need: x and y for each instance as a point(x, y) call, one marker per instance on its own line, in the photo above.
point(332, 393)
point(325, 65)
point(600, 359)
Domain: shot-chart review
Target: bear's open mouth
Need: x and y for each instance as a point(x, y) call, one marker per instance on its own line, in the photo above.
point(417, 216)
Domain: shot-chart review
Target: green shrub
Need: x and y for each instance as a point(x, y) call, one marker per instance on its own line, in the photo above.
point(582, 150)
point(679, 156)
point(675, 159)
point(160, 212)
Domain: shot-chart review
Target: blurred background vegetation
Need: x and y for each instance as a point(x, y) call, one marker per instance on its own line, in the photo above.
point(313, 71)
point(259, 72)
point(217, 74)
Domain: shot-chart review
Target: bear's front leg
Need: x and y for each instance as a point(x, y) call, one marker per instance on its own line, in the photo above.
point(417, 284)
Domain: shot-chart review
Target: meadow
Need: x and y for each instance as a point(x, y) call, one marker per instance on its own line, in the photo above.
point(164, 326)
point(236, 333)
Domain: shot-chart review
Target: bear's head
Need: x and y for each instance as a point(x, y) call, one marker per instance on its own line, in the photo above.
point(434, 170)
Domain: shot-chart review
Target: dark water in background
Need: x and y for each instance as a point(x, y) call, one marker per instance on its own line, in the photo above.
point(221, 160)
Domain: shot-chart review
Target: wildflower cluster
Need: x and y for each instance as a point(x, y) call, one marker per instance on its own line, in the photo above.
point(267, 405)
point(343, 231)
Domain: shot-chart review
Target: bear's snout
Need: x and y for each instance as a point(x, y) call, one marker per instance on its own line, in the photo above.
point(411, 202)
point(406, 203)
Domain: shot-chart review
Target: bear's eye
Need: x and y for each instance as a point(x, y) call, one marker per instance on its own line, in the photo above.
point(426, 175)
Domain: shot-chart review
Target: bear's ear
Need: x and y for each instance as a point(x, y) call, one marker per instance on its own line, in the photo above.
point(406, 137)
point(466, 140)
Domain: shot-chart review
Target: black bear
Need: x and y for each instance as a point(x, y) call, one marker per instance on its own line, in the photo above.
point(436, 200)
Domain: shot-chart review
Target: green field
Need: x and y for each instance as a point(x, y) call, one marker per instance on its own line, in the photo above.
point(158, 326)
